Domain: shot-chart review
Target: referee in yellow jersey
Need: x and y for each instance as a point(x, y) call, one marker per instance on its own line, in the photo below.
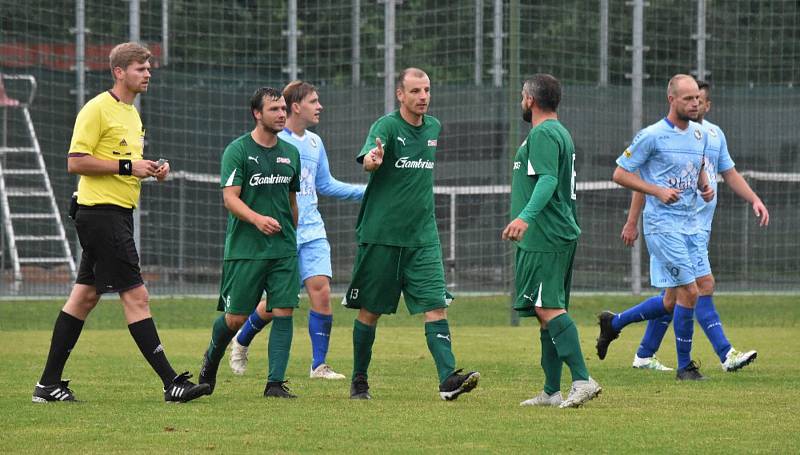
point(107, 152)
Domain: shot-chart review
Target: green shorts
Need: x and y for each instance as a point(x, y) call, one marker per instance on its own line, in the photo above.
point(543, 280)
point(245, 281)
point(381, 272)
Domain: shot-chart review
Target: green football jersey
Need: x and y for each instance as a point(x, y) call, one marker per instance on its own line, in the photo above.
point(548, 150)
point(398, 208)
point(266, 175)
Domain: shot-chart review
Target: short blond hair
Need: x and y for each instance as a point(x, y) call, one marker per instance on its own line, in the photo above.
point(126, 53)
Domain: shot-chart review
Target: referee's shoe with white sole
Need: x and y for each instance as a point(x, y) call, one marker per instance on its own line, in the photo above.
point(182, 389)
point(55, 392)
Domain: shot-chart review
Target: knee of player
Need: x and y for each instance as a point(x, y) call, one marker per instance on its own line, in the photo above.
point(706, 284)
point(688, 295)
point(235, 321)
point(320, 295)
point(137, 297)
point(436, 315)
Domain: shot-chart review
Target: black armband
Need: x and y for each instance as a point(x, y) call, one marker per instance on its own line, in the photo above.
point(125, 167)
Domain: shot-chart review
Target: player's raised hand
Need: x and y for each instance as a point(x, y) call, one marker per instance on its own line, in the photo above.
point(267, 225)
point(630, 232)
point(377, 153)
point(515, 230)
point(668, 195)
point(143, 168)
point(761, 212)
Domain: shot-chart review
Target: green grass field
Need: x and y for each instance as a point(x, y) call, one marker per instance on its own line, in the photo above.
point(755, 410)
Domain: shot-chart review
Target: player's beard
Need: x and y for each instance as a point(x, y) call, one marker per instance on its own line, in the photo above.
point(685, 117)
point(527, 115)
point(270, 128)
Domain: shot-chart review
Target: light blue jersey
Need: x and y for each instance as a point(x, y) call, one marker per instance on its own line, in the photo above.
point(315, 176)
point(668, 157)
point(718, 160)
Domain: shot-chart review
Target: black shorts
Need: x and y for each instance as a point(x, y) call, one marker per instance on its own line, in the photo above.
point(109, 262)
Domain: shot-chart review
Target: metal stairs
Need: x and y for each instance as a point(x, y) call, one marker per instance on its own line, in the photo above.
point(31, 221)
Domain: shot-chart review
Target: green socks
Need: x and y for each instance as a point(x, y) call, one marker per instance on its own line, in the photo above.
point(551, 364)
point(280, 342)
point(565, 337)
point(221, 336)
point(437, 334)
point(363, 337)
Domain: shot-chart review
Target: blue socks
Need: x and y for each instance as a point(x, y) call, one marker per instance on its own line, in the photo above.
point(250, 328)
point(653, 336)
point(651, 308)
point(319, 329)
point(683, 324)
point(708, 318)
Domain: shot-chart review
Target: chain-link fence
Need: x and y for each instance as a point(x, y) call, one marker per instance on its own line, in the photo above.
point(613, 57)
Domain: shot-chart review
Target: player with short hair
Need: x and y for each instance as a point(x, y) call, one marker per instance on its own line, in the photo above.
point(717, 160)
point(545, 228)
point(107, 150)
point(313, 249)
point(260, 175)
point(669, 157)
point(398, 242)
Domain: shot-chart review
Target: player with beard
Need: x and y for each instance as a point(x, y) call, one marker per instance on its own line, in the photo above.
point(717, 159)
point(669, 157)
point(260, 177)
point(313, 250)
point(545, 228)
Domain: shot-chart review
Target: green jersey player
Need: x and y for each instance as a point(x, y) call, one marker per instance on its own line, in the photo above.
point(545, 227)
point(398, 242)
point(260, 177)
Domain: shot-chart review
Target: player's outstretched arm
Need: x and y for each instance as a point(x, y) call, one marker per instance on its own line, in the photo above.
point(232, 201)
point(327, 185)
point(630, 231)
point(739, 186)
point(634, 182)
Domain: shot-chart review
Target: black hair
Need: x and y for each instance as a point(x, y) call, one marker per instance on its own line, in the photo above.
point(257, 100)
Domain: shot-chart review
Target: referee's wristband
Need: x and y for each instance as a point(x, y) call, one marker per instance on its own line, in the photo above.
point(125, 167)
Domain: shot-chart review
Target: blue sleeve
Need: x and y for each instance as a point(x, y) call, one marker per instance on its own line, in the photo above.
point(725, 161)
point(638, 152)
point(329, 186)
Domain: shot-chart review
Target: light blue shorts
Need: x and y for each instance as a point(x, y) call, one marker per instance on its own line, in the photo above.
point(672, 259)
point(314, 258)
point(702, 266)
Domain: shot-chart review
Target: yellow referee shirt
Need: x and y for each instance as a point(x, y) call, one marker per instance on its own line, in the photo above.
point(108, 129)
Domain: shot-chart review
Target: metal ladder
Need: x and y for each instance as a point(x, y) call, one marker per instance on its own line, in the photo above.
point(31, 219)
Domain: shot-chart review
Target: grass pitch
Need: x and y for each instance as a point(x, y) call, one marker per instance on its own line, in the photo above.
point(754, 410)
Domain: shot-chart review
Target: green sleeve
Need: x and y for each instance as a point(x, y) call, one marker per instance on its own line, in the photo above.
point(232, 167)
point(542, 155)
point(380, 129)
point(542, 192)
